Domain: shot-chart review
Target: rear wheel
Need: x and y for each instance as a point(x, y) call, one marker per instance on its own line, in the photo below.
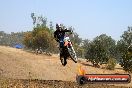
point(63, 58)
point(63, 61)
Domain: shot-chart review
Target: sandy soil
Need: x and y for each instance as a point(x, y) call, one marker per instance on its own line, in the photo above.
point(20, 64)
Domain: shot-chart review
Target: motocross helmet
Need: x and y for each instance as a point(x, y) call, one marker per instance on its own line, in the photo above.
point(58, 26)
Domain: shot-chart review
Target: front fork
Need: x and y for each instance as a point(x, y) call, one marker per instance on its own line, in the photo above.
point(73, 50)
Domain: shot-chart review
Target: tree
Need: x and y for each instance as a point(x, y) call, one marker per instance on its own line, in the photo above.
point(122, 47)
point(38, 20)
point(76, 40)
point(101, 49)
point(11, 39)
point(51, 25)
point(40, 37)
point(28, 40)
point(85, 45)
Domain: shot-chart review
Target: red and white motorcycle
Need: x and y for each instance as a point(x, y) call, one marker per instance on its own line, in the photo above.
point(67, 51)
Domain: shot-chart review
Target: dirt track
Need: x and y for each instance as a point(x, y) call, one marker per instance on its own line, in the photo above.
point(50, 84)
point(18, 64)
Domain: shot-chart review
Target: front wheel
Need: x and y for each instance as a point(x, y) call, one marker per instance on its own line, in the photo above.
point(72, 54)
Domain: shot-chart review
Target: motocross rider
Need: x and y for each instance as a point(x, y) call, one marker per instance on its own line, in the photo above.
point(59, 35)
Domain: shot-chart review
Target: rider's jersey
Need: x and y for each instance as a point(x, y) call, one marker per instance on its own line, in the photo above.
point(60, 34)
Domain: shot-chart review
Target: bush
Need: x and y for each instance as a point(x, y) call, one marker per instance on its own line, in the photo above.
point(126, 62)
point(111, 64)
